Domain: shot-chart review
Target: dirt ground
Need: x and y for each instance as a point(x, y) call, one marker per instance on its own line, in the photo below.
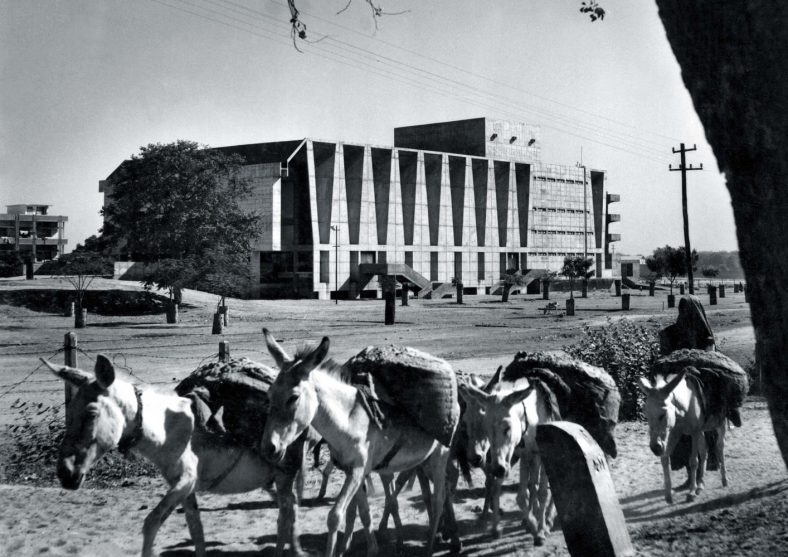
point(747, 518)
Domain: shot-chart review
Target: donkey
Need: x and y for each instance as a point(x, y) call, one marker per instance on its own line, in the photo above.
point(307, 393)
point(107, 412)
point(511, 413)
point(674, 408)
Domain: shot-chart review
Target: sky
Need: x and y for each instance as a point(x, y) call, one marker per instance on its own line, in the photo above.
point(85, 83)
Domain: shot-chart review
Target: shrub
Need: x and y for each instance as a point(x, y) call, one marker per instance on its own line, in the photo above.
point(627, 351)
point(32, 444)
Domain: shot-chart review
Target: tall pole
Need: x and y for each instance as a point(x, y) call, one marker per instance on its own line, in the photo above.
point(683, 169)
point(335, 228)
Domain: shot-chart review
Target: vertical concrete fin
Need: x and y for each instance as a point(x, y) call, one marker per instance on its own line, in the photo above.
point(457, 189)
point(433, 166)
point(522, 173)
point(408, 162)
point(501, 172)
point(479, 168)
point(381, 178)
point(354, 174)
point(324, 155)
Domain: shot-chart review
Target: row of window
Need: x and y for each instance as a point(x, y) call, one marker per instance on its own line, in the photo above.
point(561, 232)
point(556, 210)
point(562, 180)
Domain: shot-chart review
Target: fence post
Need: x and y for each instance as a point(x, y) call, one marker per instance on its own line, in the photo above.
point(70, 351)
point(224, 351)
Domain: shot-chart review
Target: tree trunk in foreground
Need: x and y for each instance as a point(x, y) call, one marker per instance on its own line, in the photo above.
point(734, 62)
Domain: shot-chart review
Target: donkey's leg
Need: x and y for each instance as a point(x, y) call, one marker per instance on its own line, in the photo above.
point(527, 493)
point(192, 512)
point(544, 498)
point(693, 465)
point(450, 529)
point(287, 521)
point(426, 491)
point(666, 475)
point(336, 515)
point(350, 525)
point(363, 511)
point(488, 481)
point(326, 473)
point(180, 489)
point(438, 461)
point(703, 450)
point(719, 448)
point(391, 506)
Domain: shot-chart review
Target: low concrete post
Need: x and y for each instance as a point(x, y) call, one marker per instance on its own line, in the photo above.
point(625, 301)
point(671, 300)
point(617, 282)
point(68, 309)
point(388, 285)
point(722, 291)
point(651, 287)
point(218, 324)
point(712, 295)
point(405, 290)
point(224, 351)
point(584, 288)
point(585, 498)
point(545, 289)
point(570, 307)
point(681, 289)
point(172, 312)
point(458, 286)
point(80, 317)
point(70, 359)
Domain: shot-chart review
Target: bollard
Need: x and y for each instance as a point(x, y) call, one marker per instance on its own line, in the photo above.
point(712, 295)
point(671, 300)
point(625, 301)
point(545, 289)
point(218, 324)
point(225, 311)
point(224, 351)
point(68, 310)
point(70, 359)
point(570, 307)
point(80, 318)
point(405, 290)
point(172, 312)
point(722, 291)
point(459, 292)
point(583, 491)
point(617, 282)
point(651, 287)
point(681, 289)
point(583, 289)
point(388, 285)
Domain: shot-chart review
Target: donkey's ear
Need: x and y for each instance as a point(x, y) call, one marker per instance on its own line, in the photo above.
point(105, 371)
point(668, 387)
point(517, 396)
point(276, 351)
point(71, 375)
point(645, 386)
point(494, 380)
point(313, 359)
point(472, 395)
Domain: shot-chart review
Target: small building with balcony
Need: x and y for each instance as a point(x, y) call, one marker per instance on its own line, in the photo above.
point(31, 231)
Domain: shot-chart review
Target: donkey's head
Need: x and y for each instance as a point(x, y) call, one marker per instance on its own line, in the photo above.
point(94, 422)
point(659, 410)
point(503, 423)
point(293, 400)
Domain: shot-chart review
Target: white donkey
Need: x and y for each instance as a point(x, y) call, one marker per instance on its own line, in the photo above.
point(107, 412)
point(673, 408)
point(307, 393)
point(511, 413)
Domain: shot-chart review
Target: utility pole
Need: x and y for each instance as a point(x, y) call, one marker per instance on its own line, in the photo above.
point(335, 228)
point(683, 168)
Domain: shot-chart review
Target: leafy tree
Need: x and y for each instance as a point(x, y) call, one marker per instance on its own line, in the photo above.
point(512, 278)
point(11, 263)
point(224, 274)
point(710, 272)
point(576, 267)
point(670, 262)
point(174, 204)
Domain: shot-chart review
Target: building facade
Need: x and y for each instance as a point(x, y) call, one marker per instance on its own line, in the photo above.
point(32, 232)
point(467, 200)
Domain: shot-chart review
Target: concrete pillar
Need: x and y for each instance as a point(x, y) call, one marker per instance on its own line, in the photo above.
point(617, 283)
point(625, 302)
point(712, 295)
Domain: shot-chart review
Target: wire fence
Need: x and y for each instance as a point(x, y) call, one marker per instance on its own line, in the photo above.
point(120, 360)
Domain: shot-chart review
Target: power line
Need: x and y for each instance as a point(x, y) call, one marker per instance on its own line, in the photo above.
point(340, 58)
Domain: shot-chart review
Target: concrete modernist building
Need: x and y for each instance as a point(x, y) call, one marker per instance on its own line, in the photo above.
point(29, 230)
point(468, 200)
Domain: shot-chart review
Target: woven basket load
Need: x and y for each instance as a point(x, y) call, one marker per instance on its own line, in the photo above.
point(724, 381)
point(239, 388)
point(420, 385)
point(593, 399)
